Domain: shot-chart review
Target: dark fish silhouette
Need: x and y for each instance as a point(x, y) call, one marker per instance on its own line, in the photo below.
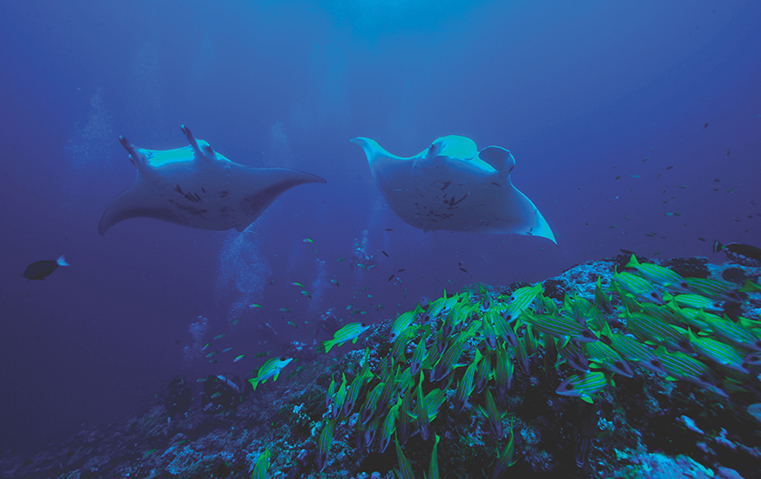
point(743, 254)
point(41, 269)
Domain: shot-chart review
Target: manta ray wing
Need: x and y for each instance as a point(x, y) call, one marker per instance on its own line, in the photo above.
point(452, 186)
point(255, 189)
point(197, 187)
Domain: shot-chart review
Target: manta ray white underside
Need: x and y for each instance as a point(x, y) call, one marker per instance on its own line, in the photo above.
point(453, 186)
point(197, 187)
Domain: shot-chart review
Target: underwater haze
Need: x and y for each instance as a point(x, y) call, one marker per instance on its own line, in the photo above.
point(634, 125)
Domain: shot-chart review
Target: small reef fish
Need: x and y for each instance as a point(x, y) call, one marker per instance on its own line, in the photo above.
point(285, 310)
point(350, 332)
point(520, 300)
point(718, 352)
point(41, 269)
point(493, 416)
point(389, 426)
point(421, 411)
point(638, 286)
point(583, 385)
point(686, 368)
point(715, 288)
point(602, 300)
point(743, 254)
point(608, 358)
point(505, 458)
point(335, 282)
point(465, 387)
point(262, 465)
point(739, 333)
point(419, 356)
point(659, 275)
point(405, 468)
point(307, 240)
point(270, 369)
point(238, 358)
point(697, 301)
point(433, 468)
point(299, 285)
point(561, 327)
point(324, 443)
point(403, 322)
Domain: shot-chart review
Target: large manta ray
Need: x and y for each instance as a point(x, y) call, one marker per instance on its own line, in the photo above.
point(197, 187)
point(453, 186)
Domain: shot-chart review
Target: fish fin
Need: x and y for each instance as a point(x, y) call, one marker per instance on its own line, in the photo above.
point(749, 287)
point(717, 246)
point(586, 398)
point(354, 341)
point(62, 261)
point(633, 263)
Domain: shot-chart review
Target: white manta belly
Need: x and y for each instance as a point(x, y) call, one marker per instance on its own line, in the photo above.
point(197, 187)
point(453, 186)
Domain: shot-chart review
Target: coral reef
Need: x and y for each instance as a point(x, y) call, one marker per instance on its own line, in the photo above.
point(615, 369)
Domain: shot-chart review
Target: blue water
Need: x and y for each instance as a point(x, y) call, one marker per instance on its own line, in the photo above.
point(664, 95)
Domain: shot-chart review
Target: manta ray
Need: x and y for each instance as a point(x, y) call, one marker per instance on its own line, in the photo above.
point(453, 186)
point(197, 187)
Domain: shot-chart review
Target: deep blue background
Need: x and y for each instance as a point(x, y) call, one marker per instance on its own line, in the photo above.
point(580, 92)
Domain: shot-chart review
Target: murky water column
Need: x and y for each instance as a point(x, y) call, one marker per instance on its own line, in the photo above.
point(197, 331)
point(242, 272)
point(319, 285)
point(90, 153)
point(145, 107)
